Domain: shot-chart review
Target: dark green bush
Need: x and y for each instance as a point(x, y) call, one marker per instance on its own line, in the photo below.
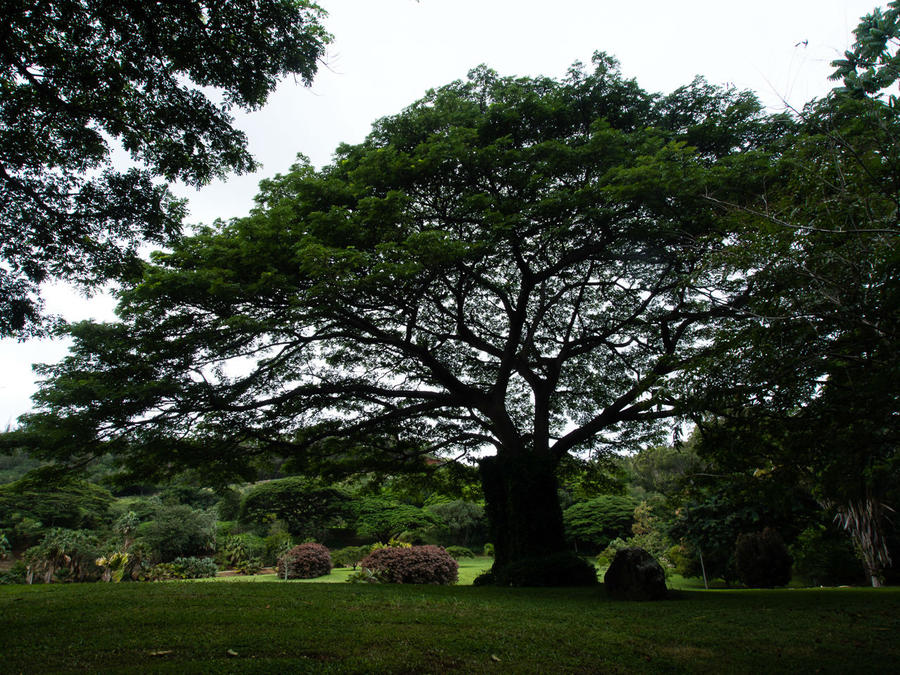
point(762, 560)
point(179, 531)
point(458, 552)
point(559, 569)
point(489, 549)
point(306, 561)
point(414, 565)
point(825, 557)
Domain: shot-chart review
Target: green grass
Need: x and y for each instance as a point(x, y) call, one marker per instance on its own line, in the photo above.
point(270, 627)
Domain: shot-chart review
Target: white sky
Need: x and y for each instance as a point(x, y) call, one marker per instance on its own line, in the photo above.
point(387, 53)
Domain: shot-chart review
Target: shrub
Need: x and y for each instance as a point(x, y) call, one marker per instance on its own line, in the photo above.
point(559, 569)
point(249, 567)
point(762, 559)
point(457, 552)
point(195, 568)
point(489, 550)
point(306, 561)
point(183, 568)
point(14, 575)
point(179, 531)
point(241, 548)
point(824, 557)
point(414, 565)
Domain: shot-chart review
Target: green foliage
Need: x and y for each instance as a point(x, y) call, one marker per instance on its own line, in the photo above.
point(229, 505)
point(306, 561)
point(366, 576)
point(249, 567)
point(78, 73)
point(383, 519)
point(458, 552)
point(177, 530)
point(67, 555)
point(460, 522)
point(489, 549)
point(561, 569)
point(183, 568)
point(46, 498)
point(349, 556)
point(873, 63)
point(15, 575)
point(413, 565)
point(14, 463)
point(241, 548)
point(594, 523)
point(762, 559)
point(307, 507)
point(824, 557)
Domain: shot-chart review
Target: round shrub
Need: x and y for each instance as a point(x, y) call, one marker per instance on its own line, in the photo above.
point(458, 552)
point(762, 559)
point(306, 561)
point(414, 565)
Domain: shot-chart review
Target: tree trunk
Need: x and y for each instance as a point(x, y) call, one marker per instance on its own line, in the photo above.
point(522, 505)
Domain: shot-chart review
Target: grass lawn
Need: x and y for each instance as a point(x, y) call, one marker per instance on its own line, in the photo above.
point(262, 627)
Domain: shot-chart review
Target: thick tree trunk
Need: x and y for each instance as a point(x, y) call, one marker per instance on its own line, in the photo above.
point(522, 505)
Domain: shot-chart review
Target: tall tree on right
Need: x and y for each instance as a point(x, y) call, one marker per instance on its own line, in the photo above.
point(813, 382)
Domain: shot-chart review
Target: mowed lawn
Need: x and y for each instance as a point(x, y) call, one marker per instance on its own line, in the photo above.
point(181, 627)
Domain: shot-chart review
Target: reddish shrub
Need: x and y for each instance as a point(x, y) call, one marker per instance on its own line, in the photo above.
point(305, 561)
point(415, 565)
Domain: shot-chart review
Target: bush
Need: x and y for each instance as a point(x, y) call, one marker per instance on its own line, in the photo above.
point(183, 568)
point(249, 567)
point(825, 557)
point(489, 550)
point(457, 552)
point(241, 548)
point(559, 569)
point(195, 568)
point(179, 531)
point(415, 565)
point(762, 559)
point(306, 561)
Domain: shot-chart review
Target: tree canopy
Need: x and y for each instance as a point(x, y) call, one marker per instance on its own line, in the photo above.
point(514, 265)
point(159, 79)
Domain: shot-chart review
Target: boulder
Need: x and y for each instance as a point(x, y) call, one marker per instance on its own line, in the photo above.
point(634, 574)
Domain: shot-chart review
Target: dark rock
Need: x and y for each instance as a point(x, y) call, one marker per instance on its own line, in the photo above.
point(635, 575)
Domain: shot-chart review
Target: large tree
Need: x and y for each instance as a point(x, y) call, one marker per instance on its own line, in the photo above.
point(809, 385)
point(510, 269)
point(159, 79)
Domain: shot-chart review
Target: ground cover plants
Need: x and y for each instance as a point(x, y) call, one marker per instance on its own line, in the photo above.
point(200, 627)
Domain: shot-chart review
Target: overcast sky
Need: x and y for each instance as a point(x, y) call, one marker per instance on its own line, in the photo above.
point(387, 53)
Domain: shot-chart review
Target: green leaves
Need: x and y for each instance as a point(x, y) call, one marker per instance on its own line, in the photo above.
point(75, 74)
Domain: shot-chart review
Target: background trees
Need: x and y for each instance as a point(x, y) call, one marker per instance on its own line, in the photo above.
point(80, 77)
